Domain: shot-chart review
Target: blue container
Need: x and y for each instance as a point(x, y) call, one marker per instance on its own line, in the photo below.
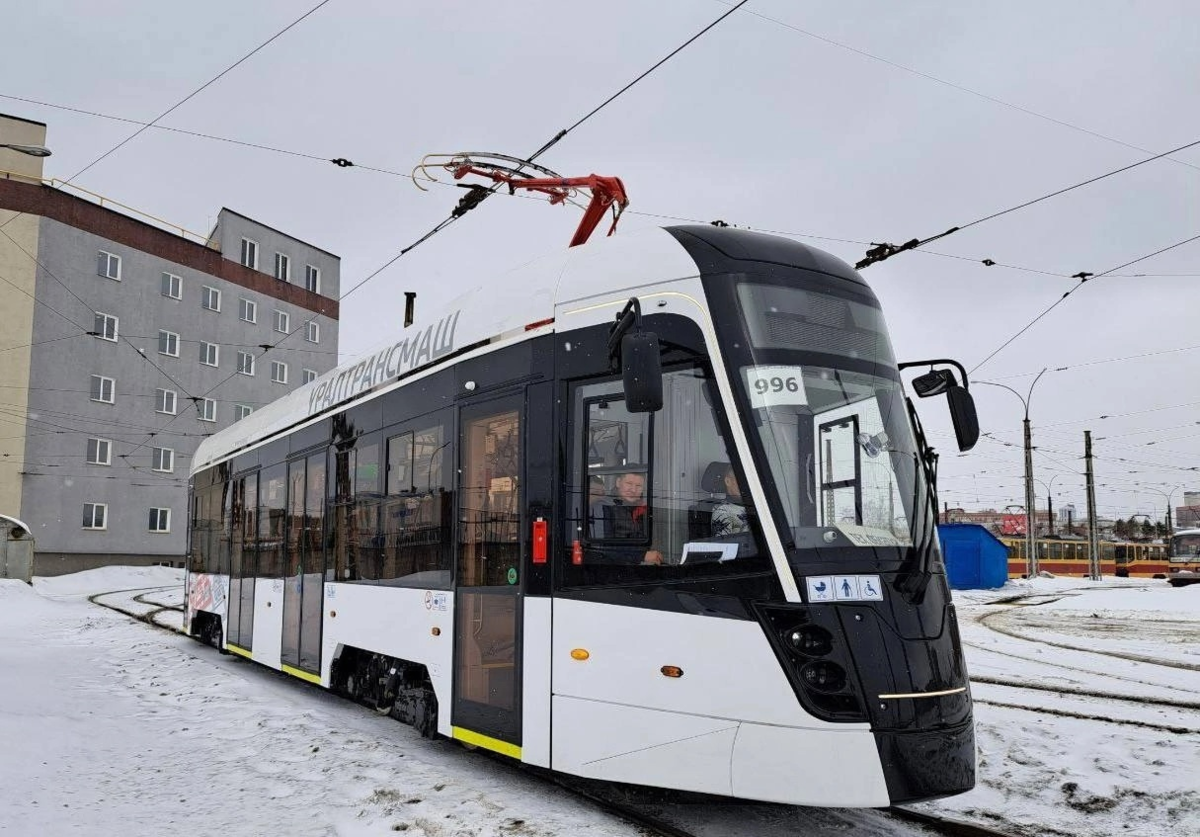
point(975, 558)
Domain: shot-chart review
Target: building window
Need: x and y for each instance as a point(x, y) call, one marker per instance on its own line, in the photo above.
point(312, 279)
point(95, 515)
point(279, 372)
point(283, 322)
point(172, 286)
point(99, 452)
point(247, 311)
point(245, 364)
point(312, 332)
point(209, 353)
point(309, 375)
point(168, 343)
point(240, 411)
point(250, 253)
point(164, 401)
point(162, 459)
point(210, 298)
point(207, 409)
point(160, 520)
point(106, 327)
point(103, 389)
point(283, 267)
point(108, 265)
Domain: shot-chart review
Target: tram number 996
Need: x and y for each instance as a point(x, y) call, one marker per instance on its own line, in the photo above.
point(775, 385)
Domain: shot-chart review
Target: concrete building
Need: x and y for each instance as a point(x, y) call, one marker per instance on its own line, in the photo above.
point(124, 344)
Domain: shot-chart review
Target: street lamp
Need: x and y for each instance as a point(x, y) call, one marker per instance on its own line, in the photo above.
point(31, 150)
point(1166, 496)
point(1029, 500)
point(1049, 502)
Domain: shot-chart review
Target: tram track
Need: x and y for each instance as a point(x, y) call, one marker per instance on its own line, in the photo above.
point(1021, 602)
point(660, 825)
point(147, 616)
point(1087, 693)
point(1066, 667)
point(645, 817)
point(1066, 713)
point(642, 806)
point(986, 621)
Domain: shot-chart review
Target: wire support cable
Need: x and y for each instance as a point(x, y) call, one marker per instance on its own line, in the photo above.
point(1083, 278)
point(147, 125)
point(882, 251)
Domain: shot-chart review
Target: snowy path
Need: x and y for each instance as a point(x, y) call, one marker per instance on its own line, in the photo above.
point(114, 727)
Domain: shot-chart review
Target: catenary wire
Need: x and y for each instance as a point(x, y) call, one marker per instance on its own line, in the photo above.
point(348, 164)
point(553, 140)
point(145, 126)
point(955, 86)
point(884, 251)
point(1083, 278)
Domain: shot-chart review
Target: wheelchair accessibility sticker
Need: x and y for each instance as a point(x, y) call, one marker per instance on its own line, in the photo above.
point(844, 588)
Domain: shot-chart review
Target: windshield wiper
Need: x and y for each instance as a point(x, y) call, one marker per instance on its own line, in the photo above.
point(915, 571)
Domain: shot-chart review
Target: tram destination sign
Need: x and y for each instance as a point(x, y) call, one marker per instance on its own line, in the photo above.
point(424, 347)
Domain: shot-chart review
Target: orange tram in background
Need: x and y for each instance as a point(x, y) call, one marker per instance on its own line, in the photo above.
point(1070, 558)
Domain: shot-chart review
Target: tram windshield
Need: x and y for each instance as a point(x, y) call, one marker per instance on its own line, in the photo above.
point(1185, 547)
point(821, 383)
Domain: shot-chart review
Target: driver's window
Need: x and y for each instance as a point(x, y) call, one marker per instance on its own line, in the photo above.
point(654, 495)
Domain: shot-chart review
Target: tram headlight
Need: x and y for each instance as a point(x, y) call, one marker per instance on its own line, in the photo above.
point(823, 676)
point(809, 640)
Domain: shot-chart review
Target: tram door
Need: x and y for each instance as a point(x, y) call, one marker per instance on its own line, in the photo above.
point(487, 658)
point(243, 564)
point(303, 586)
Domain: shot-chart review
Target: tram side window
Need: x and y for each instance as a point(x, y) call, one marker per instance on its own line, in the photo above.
point(416, 513)
point(243, 526)
point(356, 540)
point(655, 496)
point(209, 541)
point(272, 515)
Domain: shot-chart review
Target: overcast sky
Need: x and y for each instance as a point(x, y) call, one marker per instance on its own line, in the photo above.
point(757, 123)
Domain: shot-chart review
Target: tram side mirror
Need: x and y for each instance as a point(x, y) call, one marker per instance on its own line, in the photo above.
point(641, 370)
point(963, 415)
point(933, 382)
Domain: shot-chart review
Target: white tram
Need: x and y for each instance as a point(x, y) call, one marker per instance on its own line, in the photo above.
point(689, 547)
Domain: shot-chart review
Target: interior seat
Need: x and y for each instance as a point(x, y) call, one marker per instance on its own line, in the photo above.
point(712, 486)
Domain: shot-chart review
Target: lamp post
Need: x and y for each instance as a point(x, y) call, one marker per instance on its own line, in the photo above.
point(1166, 495)
point(1049, 502)
point(1031, 543)
point(30, 150)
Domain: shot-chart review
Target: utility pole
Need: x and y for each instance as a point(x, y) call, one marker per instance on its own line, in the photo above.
point(1030, 518)
point(1050, 512)
point(1093, 533)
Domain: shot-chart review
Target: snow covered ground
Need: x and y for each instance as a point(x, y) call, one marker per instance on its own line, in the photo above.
point(1087, 705)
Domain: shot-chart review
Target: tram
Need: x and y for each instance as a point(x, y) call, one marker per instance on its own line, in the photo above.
point(1071, 557)
point(1184, 551)
point(653, 510)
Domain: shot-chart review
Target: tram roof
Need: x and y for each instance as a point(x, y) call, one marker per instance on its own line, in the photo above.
point(505, 308)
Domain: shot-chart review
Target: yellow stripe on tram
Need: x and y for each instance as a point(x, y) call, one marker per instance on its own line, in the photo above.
point(487, 742)
point(303, 675)
point(241, 652)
